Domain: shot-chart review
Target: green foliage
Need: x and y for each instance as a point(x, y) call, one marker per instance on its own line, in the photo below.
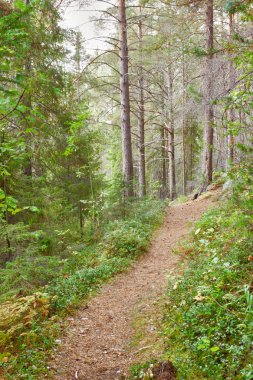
point(243, 187)
point(26, 274)
point(130, 237)
point(38, 339)
point(48, 152)
point(142, 371)
point(69, 290)
point(126, 238)
point(235, 6)
point(208, 316)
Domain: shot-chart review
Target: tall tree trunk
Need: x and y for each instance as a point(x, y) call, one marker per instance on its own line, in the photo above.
point(164, 160)
point(141, 119)
point(209, 112)
point(172, 161)
point(184, 179)
point(5, 221)
point(141, 129)
point(231, 138)
point(27, 102)
point(184, 128)
point(78, 48)
point(127, 155)
point(191, 151)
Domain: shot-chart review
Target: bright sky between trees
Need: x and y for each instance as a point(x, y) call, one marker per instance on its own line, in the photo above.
point(82, 18)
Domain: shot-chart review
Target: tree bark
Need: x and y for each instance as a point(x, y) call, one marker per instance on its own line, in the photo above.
point(127, 154)
point(141, 129)
point(141, 118)
point(231, 138)
point(164, 151)
point(184, 129)
point(78, 48)
point(191, 152)
point(5, 221)
point(209, 112)
point(173, 192)
point(27, 102)
point(164, 160)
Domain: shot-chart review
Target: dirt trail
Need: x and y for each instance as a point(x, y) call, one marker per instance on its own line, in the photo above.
point(96, 345)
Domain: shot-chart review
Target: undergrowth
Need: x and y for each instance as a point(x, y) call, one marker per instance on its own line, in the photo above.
point(208, 316)
point(208, 322)
point(42, 289)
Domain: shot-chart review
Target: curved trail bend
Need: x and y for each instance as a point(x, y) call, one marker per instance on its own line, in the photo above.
point(97, 343)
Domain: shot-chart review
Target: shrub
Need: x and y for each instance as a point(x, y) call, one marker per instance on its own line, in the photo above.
point(131, 236)
point(126, 238)
point(26, 274)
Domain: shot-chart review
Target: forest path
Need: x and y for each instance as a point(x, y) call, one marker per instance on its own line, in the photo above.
point(97, 345)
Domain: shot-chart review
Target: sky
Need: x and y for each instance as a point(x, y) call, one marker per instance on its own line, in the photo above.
point(80, 19)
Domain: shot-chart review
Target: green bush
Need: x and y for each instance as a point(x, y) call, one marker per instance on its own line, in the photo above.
point(130, 237)
point(147, 211)
point(126, 238)
point(26, 274)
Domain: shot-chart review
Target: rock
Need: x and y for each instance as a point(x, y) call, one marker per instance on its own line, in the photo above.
point(227, 185)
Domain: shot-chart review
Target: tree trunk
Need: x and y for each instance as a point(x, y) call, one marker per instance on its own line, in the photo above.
point(27, 102)
point(209, 112)
point(5, 221)
point(172, 162)
point(127, 155)
point(231, 138)
point(164, 159)
point(141, 119)
point(173, 193)
point(78, 48)
point(141, 129)
point(191, 152)
point(184, 129)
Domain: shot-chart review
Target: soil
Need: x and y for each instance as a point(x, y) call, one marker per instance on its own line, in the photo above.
point(98, 343)
point(164, 371)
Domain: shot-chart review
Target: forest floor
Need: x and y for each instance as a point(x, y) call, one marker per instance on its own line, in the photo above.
point(117, 328)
